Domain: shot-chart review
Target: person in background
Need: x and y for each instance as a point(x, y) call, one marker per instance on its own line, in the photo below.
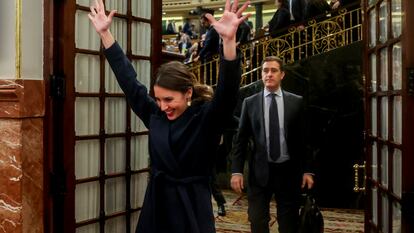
point(187, 27)
point(171, 29)
point(243, 33)
point(280, 19)
point(184, 121)
point(210, 47)
point(272, 122)
point(185, 43)
point(297, 9)
point(317, 8)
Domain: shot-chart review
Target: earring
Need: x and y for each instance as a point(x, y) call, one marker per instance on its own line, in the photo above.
point(189, 103)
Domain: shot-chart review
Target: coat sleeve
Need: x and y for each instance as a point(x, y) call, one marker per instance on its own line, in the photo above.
point(226, 94)
point(136, 93)
point(241, 140)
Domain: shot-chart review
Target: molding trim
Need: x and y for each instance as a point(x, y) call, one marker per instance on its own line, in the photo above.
point(8, 91)
point(22, 98)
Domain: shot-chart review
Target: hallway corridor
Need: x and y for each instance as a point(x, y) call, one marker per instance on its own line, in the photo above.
point(235, 221)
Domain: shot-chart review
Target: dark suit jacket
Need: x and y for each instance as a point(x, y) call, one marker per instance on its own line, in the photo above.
point(280, 20)
point(252, 128)
point(211, 44)
point(178, 197)
point(298, 9)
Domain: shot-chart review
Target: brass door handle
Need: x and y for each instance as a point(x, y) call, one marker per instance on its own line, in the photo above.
point(356, 178)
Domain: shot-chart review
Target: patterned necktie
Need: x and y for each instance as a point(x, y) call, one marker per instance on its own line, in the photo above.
point(274, 141)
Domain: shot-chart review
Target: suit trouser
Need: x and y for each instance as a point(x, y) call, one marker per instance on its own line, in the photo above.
point(284, 184)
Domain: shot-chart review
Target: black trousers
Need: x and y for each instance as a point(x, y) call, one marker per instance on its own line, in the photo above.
point(284, 185)
point(216, 190)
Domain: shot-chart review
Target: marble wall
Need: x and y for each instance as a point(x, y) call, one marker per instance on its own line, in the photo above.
point(21, 156)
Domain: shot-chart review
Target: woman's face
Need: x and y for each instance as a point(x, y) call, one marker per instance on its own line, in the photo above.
point(173, 103)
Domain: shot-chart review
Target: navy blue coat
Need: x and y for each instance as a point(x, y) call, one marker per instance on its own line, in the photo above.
point(178, 197)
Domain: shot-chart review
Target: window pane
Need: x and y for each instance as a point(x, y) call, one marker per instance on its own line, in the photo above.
point(384, 166)
point(86, 201)
point(85, 2)
point(384, 118)
point(397, 119)
point(119, 30)
point(375, 206)
point(86, 116)
point(143, 69)
point(119, 5)
point(139, 152)
point(138, 186)
point(374, 116)
point(141, 38)
point(136, 124)
point(115, 155)
point(383, 22)
point(117, 224)
point(396, 217)
point(115, 196)
point(385, 214)
point(85, 34)
point(396, 66)
point(372, 28)
point(134, 220)
point(373, 59)
point(141, 8)
point(384, 69)
point(397, 17)
point(374, 162)
point(87, 159)
point(86, 73)
point(93, 228)
point(115, 115)
point(111, 85)
point(397, 174)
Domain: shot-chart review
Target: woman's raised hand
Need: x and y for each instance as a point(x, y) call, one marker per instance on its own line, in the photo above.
point(99, 19)
point(227, 25)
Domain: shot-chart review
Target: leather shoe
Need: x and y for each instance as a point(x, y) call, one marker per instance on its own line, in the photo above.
point(221, 210)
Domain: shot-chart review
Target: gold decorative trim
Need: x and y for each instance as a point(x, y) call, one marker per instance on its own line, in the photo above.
point(18, 38)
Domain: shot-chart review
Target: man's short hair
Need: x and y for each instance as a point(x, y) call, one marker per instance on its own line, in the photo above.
point(276, 59)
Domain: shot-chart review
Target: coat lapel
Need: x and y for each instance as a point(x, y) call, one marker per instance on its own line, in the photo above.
point(261, 112)
point(163, 147)
point(286, 111)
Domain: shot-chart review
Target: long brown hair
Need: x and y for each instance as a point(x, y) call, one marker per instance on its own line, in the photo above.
point(175, 76)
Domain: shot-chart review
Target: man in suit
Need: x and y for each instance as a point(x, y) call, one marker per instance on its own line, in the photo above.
point(297, 10)
point(273, 121)
point(210, 47)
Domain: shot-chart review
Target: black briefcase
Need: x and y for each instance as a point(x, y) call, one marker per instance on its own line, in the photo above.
point(310, 216)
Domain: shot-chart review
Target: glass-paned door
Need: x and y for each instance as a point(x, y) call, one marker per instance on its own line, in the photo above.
point(386, 126)
point(106, 146)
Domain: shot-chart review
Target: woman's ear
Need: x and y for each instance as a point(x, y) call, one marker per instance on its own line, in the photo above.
point(189, 93)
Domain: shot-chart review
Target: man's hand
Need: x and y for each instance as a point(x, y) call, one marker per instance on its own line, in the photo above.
point(307, 180)
point(237, 183)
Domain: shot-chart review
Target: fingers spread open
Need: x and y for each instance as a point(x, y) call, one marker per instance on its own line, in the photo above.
point(242, 9)
point(93, 10)
point(234, 6)
point(244, 17)
point(227, 6)
point(111, 14)
point(101, 5)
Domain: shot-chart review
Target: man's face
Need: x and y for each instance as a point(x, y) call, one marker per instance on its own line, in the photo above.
point(272, 75)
